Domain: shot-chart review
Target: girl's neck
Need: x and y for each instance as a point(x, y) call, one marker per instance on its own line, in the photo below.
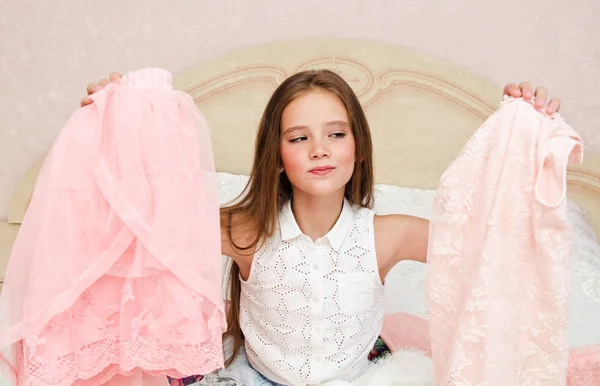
point(317, 215)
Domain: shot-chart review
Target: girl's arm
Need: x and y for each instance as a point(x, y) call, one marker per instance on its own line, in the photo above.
point(400, 237)
point(241, 237)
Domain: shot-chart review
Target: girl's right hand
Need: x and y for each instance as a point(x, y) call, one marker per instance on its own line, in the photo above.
point(114, 77)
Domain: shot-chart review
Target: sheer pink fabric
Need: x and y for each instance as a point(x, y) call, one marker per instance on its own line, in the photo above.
point(499, 253)
point(402, 331)
point(117, 268)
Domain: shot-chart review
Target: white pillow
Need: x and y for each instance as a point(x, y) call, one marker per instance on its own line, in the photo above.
point(230, 186)
point(405, 284)
point(415, 202)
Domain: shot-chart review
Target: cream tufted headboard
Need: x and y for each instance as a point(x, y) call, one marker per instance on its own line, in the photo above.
point(421, 110)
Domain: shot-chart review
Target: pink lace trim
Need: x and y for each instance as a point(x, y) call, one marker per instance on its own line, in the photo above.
point(99, 362)
point(95, 340)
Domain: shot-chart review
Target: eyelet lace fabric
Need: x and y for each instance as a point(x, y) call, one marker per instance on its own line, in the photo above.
point(116, 269)
point(499, 253)
point(311, 313)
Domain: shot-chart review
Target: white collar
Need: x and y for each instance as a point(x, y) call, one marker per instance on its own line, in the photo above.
point(290, 229)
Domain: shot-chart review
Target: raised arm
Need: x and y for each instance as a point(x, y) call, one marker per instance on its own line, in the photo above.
point(399, 237)
point(241, 236)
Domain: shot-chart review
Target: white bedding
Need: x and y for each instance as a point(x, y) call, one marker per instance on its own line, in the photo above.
point(404, 288)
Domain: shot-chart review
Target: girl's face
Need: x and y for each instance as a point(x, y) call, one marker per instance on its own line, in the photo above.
point(317, 145)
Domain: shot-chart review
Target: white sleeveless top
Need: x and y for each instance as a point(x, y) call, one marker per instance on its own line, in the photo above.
point(311, 312)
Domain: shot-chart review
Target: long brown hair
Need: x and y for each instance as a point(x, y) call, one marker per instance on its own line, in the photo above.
point(268, 189)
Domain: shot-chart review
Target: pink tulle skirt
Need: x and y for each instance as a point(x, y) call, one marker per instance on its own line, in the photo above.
point(115, 273)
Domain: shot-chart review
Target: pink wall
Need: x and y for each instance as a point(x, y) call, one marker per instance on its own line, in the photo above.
point(50, 50)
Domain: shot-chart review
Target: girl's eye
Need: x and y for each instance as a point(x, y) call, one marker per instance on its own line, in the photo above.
point(339, 135)
point(297, 139)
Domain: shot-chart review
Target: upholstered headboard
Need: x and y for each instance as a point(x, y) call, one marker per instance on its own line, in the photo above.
point(421, 111)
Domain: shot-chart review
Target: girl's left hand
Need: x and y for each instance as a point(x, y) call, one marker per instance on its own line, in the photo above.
point(525, 90)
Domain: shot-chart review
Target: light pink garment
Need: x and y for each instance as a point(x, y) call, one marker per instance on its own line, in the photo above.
point(402, 331)
point(117, 264)
point(584, 366)
point(499, 253)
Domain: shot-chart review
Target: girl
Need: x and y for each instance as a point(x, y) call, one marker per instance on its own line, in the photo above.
point(309, 255)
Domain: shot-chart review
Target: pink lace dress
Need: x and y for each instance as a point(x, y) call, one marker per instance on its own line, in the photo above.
point(499, 254)
point(115, 273)
point(499, 261)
